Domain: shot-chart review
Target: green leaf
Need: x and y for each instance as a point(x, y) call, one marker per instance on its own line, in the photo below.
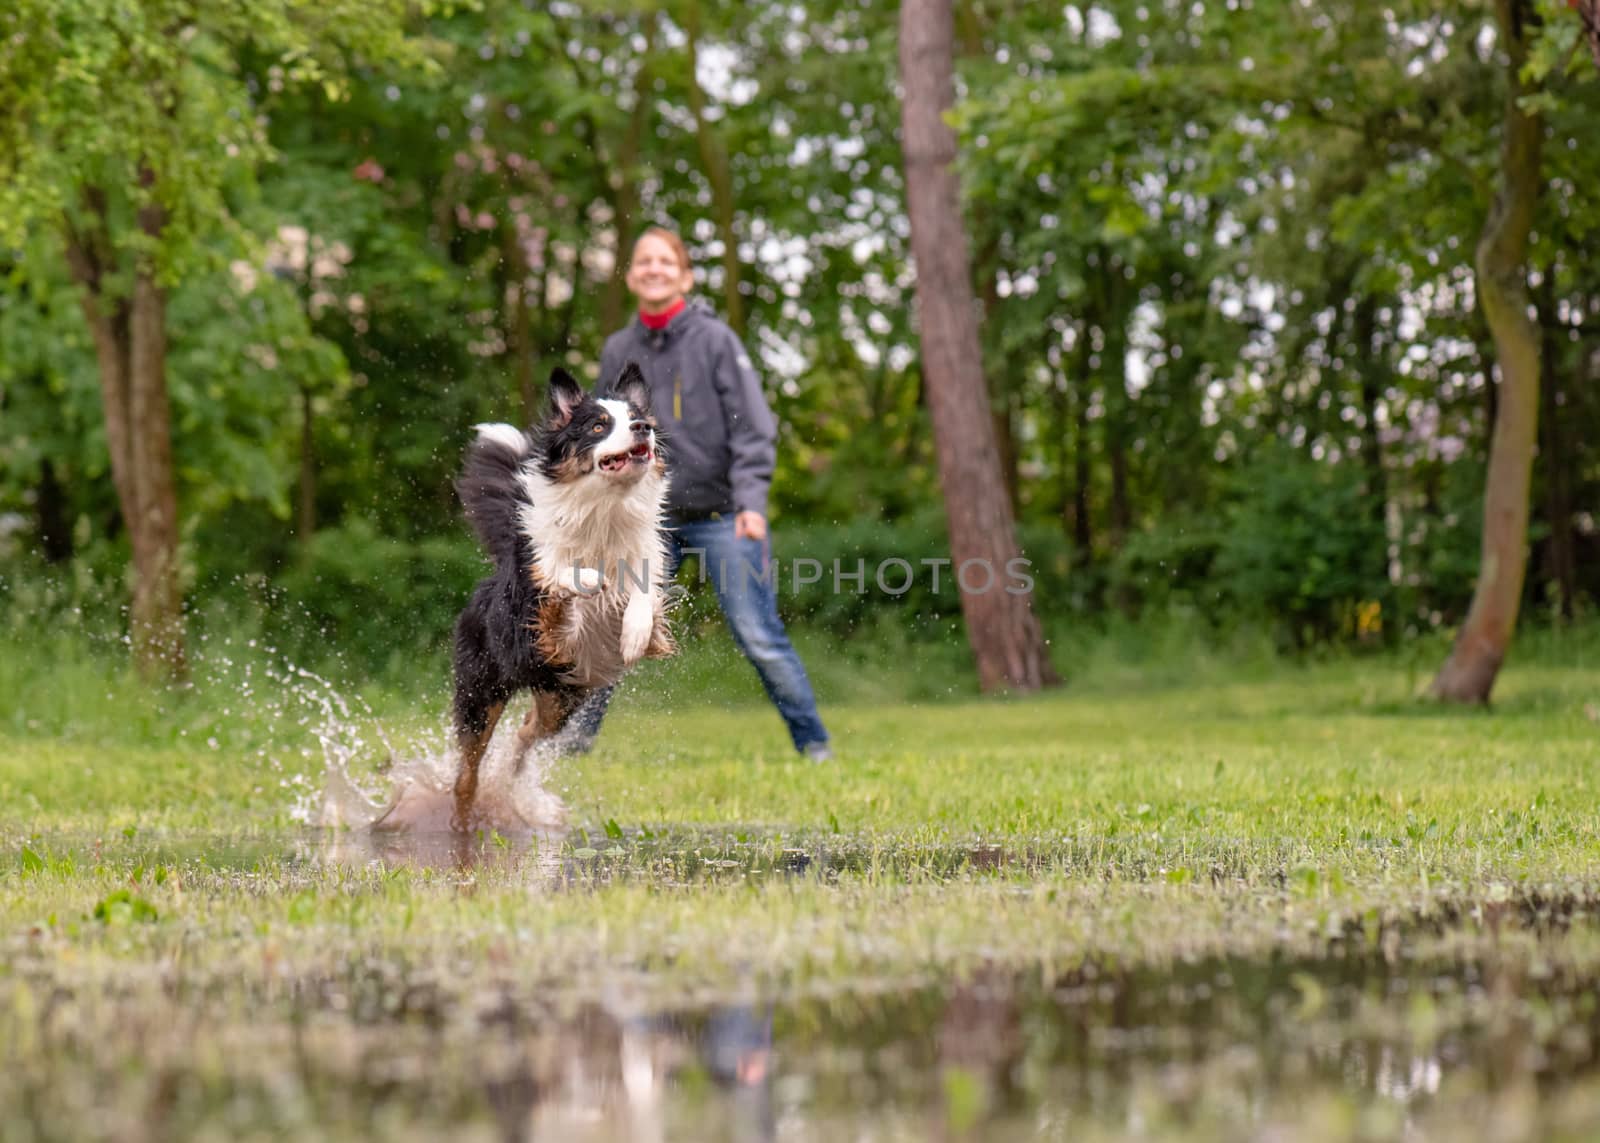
point(122, 907)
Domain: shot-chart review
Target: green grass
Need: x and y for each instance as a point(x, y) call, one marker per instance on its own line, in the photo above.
point(170, 938)
point(1334, 766)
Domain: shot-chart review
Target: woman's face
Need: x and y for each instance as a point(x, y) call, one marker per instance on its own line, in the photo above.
point(655, 276)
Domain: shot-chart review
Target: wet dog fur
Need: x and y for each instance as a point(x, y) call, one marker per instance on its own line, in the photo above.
point(571, 512)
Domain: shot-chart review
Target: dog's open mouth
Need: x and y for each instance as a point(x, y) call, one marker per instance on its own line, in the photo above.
point(639, 454)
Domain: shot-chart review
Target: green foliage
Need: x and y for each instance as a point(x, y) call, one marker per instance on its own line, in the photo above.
point(124, 907)
point(1303, 546)
point(381, 602)
point(1196, 231)
point(1170, 566)
point(148, 102)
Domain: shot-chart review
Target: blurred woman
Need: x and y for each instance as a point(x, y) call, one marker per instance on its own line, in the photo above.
point(722, 445)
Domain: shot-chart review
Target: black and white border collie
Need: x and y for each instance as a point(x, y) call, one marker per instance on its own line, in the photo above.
point(571, 513)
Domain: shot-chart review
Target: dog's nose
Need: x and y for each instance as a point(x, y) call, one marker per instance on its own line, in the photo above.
point(640, 428)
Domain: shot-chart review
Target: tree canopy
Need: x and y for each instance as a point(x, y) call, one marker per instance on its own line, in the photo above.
point(1224, 256)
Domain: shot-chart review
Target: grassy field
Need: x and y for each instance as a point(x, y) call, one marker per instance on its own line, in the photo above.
point(1281, 901)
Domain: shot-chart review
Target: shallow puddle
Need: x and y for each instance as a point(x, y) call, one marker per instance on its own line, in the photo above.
point(1367, 1043)
point(1461, 1019)
point(557, 856)
point(1221, 1048)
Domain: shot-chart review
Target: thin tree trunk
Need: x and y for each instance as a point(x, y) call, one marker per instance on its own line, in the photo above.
point(1073, 405)
point(1369, 377)
point(625, 192)
point(714, 156)
point(559, 339)
point(306, 514)
point(1082, 475)
point(1121, 515)
point(519, 320)
point(1556, 458)
point(1119, 413)
point(1114, 385)
point(1117, 426)
point(1589, 13)
point(1468, 675)
point(55, 530)
point(1001, 627)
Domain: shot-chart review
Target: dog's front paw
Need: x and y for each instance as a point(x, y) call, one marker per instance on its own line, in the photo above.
point(586, 579)
point(637, 623)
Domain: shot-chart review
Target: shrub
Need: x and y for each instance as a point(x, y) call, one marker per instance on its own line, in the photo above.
point(1302, 547)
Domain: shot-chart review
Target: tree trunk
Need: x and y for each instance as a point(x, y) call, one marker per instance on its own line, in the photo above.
point(306, 514)
point(1468, 674)
point(1073, 406)
point(1589, 13)
point(1005, 439)
point(559, 339)
point(1114, 317)
point(1104, 370)
point(1082, 475)
point(1120, 520)
point(131, 349)
point(1370, 379)
point(519, 319)
point(1556, 457)
point(157, 614)
point(1004, 393)
point(625, 193)
point(55, 530)
point(714, 156)
point(1001, 627)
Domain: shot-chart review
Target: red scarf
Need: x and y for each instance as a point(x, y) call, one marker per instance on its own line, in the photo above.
point(664, 318)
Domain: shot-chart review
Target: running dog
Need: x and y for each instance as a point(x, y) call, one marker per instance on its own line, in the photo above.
point(571, 513)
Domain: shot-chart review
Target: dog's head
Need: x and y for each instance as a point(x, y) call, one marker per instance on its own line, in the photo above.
point(609, 436)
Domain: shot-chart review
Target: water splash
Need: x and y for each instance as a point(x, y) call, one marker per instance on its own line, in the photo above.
point(512, 798)
point(369, 782)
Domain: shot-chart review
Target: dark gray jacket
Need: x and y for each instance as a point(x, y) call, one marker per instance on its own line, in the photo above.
point(720, 436)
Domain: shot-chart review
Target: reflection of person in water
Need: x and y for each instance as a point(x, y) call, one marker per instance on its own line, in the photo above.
point(733, 1043)
point(621, 1070)
point(737, 1050)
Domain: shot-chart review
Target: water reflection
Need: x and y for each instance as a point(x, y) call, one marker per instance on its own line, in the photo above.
point(1287, 1048)
point(1425, 1026)
point(603, 1076)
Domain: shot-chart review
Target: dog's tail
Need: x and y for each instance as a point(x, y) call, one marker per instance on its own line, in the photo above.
point(491, 492)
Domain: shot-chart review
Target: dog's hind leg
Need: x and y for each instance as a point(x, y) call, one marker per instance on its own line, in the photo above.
point(528, 733)
point(474, 727)
point(549, 715)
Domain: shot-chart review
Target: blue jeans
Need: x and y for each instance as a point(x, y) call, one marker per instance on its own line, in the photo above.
point(746, 583)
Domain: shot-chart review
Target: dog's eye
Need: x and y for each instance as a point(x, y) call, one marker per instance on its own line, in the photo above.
point(598, 429)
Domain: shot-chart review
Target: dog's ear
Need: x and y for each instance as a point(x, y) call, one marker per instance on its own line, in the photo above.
point(565, 395)
point(633, 388)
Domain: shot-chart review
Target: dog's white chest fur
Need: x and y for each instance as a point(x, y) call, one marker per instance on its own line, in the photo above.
point(600, 550)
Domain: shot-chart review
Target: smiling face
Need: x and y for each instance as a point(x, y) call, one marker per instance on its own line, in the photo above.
point(658, 275)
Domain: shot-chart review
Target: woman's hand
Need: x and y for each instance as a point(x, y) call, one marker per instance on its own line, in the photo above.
point(750, 526)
